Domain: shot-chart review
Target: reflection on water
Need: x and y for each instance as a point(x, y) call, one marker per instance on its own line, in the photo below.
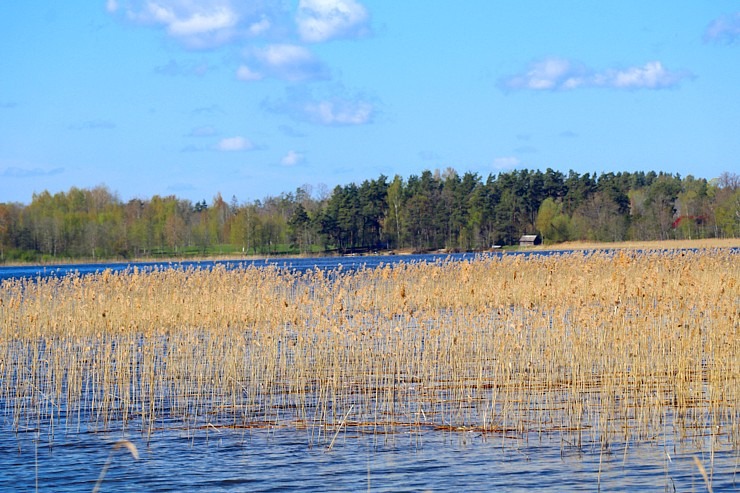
point(281, 460)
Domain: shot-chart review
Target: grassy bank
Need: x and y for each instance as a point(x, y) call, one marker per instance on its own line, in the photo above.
point(646, 245)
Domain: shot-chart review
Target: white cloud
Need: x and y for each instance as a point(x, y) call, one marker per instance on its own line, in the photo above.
point(234, 144)
point(651, 76)
point(292, 158)
point(191, 19)
point(339, 112)
point(547, 73)
point(247, 74)
point(506, 162)
point(285, 55)
point(260, 27)
point(283, 61)
point(561, 74)
point(336, 109)
point(204, 23)
point(322, 20)
point(725, 28)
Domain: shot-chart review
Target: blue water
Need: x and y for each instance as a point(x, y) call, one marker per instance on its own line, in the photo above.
point(299, 264)
point(280, 460)
point(292, 263)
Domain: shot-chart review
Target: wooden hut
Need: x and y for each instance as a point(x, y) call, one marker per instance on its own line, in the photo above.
point(530, 240)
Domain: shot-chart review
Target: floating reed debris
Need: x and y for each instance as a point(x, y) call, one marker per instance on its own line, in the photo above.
point(595, 348)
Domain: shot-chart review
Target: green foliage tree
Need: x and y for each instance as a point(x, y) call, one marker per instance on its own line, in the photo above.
point(726, 205)
point(300, 228)
point(393, 222)
point(553, 225)
point(429, 211)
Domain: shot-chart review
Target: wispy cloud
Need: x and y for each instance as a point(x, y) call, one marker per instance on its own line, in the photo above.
point(196, 24)
point(15, 172)
point(260, 27)
point(650, 76)
point(725, 28)
point(234, 144)
point(277, 43)
point(560, 74)
point(550, 73)
point(247, 74)
point(339, 112)
point(282, 61)
point(323, 20)
point(336, 109)
point(96, 124)
point(292, 158)
point(206, 23)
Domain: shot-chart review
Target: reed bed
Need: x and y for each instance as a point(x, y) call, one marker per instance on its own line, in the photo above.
point(596, 349)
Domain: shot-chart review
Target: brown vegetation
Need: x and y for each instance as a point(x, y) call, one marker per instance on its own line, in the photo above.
point(595, 348)
point(645, 245)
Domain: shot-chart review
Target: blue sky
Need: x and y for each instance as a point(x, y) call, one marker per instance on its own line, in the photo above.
point(255, 98)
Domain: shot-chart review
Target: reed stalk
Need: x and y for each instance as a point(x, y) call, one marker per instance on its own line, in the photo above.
point(599, 348)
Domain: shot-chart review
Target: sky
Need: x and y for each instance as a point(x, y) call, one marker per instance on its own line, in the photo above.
point(256, 98)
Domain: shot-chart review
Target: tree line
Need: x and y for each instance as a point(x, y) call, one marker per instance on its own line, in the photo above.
point(430, 211)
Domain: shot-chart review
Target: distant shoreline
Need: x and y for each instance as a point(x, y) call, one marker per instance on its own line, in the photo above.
point(644, 245)
point(570, 245)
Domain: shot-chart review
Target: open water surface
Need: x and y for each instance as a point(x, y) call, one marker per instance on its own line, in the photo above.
point(281, 460)
point(300, 264)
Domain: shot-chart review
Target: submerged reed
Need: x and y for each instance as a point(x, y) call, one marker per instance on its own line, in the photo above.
point(595, 348)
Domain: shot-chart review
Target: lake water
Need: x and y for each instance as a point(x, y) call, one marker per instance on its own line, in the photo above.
point(291, 263)
point(281, 460)
point(266, 458)
point(287, 459)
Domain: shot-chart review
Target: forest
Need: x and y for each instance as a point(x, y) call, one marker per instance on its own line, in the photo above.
point(427, 212)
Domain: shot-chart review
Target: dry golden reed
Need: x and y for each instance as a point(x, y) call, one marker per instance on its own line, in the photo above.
point(594, 348)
